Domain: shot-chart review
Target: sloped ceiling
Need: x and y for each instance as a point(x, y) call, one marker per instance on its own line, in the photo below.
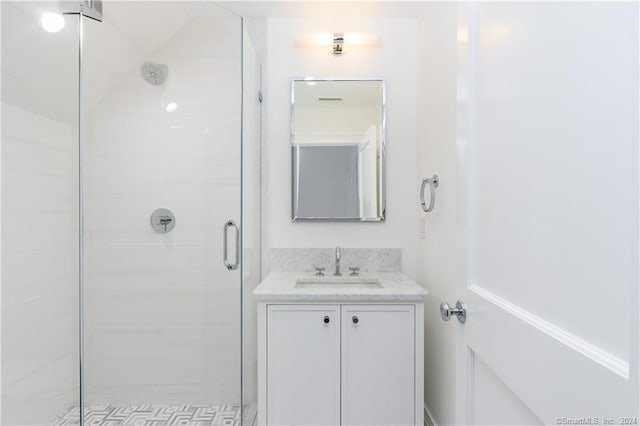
point(40, 69)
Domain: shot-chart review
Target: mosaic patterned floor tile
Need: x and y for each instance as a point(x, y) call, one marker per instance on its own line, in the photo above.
point(156, 415)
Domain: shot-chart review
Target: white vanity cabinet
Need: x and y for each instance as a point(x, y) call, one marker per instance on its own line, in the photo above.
point(303, 365)
point(340, 364)
point(378, 368)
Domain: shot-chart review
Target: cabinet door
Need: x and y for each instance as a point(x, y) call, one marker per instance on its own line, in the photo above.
point(303, 365)
point(378, 370)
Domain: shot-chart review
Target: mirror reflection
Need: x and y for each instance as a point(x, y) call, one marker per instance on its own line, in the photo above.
point(338, 146)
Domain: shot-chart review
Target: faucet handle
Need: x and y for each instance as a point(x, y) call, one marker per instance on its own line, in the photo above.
point(319, 270)
point(354, 270)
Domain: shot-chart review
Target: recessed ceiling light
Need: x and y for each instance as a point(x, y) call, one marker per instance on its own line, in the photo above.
point(171, 106)
point(52, 22)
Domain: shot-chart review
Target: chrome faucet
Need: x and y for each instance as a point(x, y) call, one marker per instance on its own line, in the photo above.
point(337, 273)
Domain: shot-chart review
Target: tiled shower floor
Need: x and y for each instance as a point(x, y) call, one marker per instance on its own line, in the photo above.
point(156, 415)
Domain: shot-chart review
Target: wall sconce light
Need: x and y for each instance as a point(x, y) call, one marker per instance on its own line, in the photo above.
point(338, 43)
point(338, 40)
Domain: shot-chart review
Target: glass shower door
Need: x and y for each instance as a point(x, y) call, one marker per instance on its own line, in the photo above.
point(161, 139)
point(39, 213)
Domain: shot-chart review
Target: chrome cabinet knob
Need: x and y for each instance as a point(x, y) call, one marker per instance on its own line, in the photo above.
point(326, 319)
point(355, 319)
point(460, 311)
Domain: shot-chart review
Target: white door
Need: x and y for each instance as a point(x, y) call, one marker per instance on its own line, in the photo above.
point(303, 365)
point(548, 213)
point(378, 365)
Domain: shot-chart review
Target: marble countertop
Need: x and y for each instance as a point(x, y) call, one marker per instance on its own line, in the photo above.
point(396, 287)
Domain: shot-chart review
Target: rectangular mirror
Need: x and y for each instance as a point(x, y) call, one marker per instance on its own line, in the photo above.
point(338, 149)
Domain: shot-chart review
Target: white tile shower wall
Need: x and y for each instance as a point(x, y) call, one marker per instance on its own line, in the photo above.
point(162, 312)
point(39, 267)
point(305, 259)
point(396, 62)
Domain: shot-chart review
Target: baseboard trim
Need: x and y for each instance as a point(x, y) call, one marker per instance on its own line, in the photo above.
point(428, 418)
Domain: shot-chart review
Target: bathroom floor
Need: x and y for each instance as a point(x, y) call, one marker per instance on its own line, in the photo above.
point(156, 415)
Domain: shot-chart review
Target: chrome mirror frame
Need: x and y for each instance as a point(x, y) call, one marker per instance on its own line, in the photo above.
point(382, 207)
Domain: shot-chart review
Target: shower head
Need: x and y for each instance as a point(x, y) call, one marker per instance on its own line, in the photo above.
point(154, 74)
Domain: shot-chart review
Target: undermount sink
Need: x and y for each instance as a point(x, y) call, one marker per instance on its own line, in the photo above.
point(338, 282)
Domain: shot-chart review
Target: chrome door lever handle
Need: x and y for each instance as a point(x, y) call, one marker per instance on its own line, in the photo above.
point(460, 311)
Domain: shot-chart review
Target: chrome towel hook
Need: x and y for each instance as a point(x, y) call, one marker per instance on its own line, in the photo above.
point(433, 184)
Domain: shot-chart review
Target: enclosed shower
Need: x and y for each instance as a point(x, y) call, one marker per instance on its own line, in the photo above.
point(130, 213)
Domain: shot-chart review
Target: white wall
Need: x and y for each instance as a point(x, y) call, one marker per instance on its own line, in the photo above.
point(436, 154)
point(162, 313)
point(396, 62)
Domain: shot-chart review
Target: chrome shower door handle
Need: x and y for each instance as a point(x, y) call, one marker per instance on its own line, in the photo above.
point(433, 184)
point(225, 246)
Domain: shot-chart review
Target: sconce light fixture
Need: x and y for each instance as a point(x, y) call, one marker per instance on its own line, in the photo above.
point(338, 43)
point(338, 40)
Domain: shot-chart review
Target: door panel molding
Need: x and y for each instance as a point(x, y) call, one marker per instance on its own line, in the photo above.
point(470, 400)
point(551, 378)
point(593, 352)
point(488, 391)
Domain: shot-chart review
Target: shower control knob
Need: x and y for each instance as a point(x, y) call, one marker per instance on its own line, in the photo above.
point(355, 319)
point(326, 319)
point(162, 221)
